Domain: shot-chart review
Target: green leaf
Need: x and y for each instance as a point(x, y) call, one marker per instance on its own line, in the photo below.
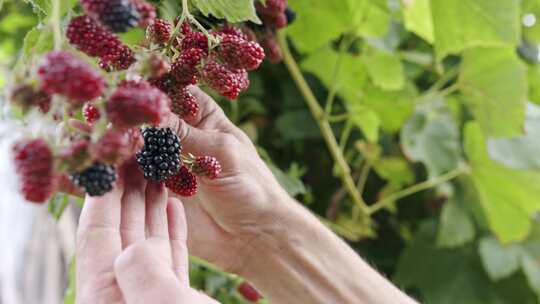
point(392, 107)
point(395, 170)
point(372, 18)
point(431, 137)
point(417, 15)
point(169, 9)
point(366, 120)
point(520, 152)
point(384, 68)
point(58, 204)
point(350, 79)
point(456, 226)
point(449, 276)
point(531, 268)
point(297, 125)
point(509, 197)
point(463, 24)
point(499, 261)
point(37, 41)
point(232, 10)
point(494, 82)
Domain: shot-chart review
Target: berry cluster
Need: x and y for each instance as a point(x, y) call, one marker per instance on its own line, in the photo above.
point(121, 118)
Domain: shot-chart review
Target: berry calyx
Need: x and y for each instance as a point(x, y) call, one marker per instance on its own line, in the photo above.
point(183, 183)
point(63, 73)
point(207, 166)
point(34, 165)
point(96, 180)
point(160, 156)
point(239, 53)
point(159, 32)
point(90, 113)
point(184, 104)
point(133, 104)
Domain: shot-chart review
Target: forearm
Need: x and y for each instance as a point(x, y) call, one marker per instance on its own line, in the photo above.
point(301, 261)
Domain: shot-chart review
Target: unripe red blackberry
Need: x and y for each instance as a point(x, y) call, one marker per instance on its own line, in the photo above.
point(239, 53)
point(34, 165)
point(165, 83)
point(183, 183)
point(26, 97)
point(155, 67)
point(228, 83)
point(195, 40)
point(147, 12)
point(96, 180)
point(186, 68)
point(63, 73)
point(273, 13)
point(249, 292)
point(134, 104)
point(94, 40)
point(91, 113)
point(184, 104)
point(271, 46)
point(117, 146)
point(160, 156)
point(207, 166)
point(159, 32)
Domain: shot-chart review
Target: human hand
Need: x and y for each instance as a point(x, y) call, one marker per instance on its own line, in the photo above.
point(230, 215)
point(131, 246)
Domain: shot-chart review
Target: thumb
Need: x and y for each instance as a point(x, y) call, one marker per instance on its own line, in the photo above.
point(144, 278)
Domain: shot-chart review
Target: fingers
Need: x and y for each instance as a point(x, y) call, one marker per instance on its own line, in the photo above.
point(156, 214)
point(210, 118)
point(145, 278)
point(98, 237)
point(132, 227)
point(178, 238)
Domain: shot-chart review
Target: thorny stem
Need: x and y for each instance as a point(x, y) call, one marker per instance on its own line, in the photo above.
point(384, 202)
point(326, 130)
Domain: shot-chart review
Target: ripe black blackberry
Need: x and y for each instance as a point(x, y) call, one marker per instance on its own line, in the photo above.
point(96, 180)
point(120, 15)
point(160, 156)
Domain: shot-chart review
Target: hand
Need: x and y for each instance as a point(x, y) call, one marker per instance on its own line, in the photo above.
point(230, 214)
point(131, 246)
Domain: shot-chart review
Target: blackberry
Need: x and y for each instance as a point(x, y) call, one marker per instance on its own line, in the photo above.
point(120, 15)
point(96, 180)
point(160, 156)
point(290, 14)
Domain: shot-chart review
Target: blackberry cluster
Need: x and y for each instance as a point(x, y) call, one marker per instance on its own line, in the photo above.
point(96, 180)
point(160, 156)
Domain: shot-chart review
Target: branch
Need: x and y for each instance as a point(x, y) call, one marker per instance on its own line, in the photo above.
point(384, 202)
point(326, 130)
point(55, 24)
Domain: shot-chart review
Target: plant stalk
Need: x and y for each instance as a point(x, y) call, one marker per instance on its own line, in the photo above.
point(324, 125)
point(384, 202)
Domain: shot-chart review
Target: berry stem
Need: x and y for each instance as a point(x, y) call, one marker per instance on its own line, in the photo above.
point(428, 184)
point(55, 24)
point(324, 125)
